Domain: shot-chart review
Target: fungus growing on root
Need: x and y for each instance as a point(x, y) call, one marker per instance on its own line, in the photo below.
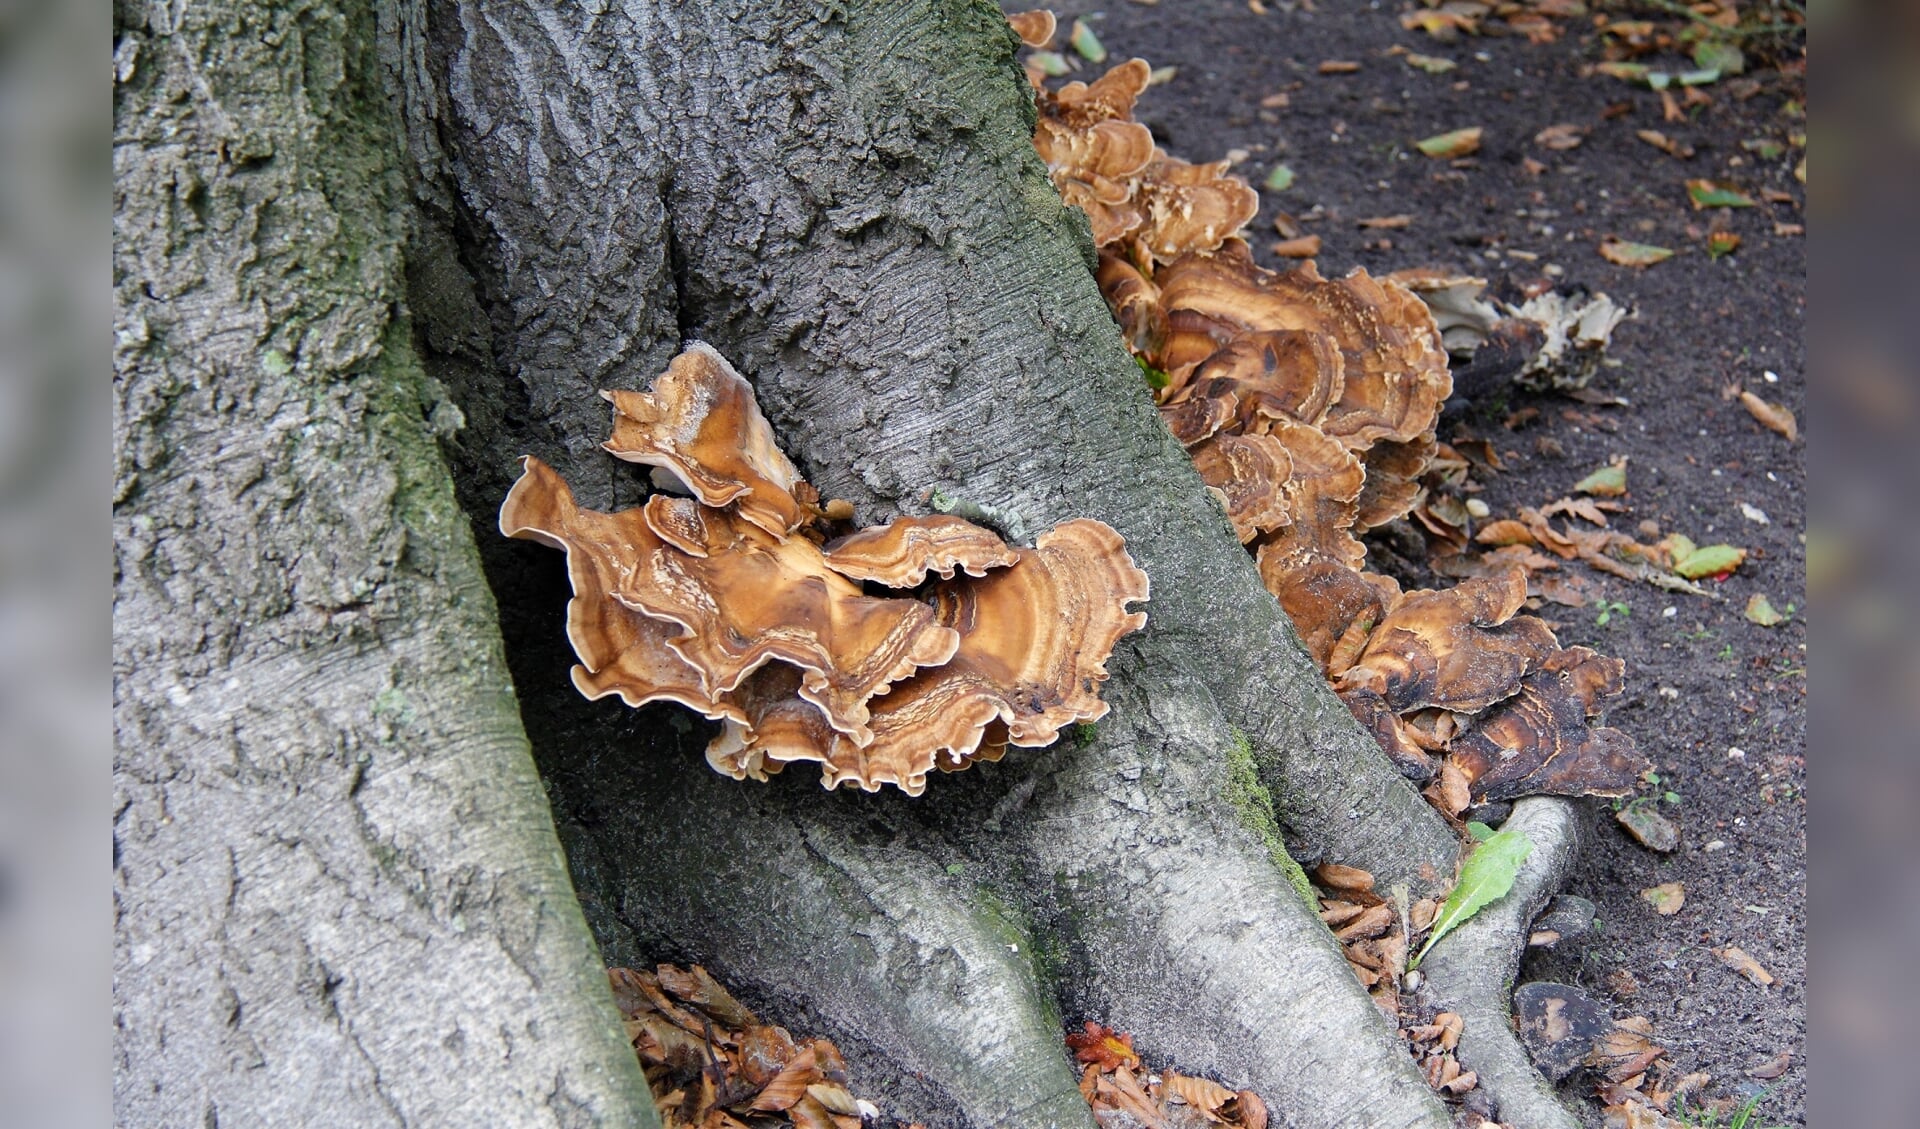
point(692, 599)
point(1359, 365)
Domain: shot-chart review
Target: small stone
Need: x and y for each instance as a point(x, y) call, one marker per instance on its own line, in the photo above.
point(1648, 827)
point(1477, 508)
point(1569, 915)
point(1493, 814)
point(1558, 1024)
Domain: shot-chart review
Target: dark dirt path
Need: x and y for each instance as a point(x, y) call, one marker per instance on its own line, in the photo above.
point(1718, 703)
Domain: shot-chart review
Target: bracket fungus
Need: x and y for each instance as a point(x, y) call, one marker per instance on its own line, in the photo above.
point(1309, 407)
point(728, 603)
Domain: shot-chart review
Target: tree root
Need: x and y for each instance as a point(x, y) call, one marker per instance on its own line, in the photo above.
point(912, 326)
point(1471, 972)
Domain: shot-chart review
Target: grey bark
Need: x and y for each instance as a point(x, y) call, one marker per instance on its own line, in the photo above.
point(338, 888)
point(1472, 970)
point(850, 208)
point(338, 894)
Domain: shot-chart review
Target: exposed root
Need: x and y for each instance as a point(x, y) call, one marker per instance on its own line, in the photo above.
point(1471, 972)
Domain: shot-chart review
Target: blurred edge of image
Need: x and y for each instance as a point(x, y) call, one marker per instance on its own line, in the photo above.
point(1863, 543)
point(55, 904)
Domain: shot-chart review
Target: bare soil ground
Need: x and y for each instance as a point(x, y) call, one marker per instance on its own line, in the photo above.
point(1719, 703)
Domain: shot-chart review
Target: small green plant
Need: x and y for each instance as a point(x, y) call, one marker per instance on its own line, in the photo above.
point(1609, 609)
point(1725, 654)
point(1706, 1119)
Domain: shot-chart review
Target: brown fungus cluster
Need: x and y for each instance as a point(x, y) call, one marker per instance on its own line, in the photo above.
point(1309, 406)
point(735, 602)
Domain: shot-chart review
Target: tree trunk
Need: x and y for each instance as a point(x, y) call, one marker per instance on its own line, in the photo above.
point(336, 879)
point(850, 208)
point(338, 895)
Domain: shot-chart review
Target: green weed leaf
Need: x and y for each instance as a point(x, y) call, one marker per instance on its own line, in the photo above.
point(1487, 876)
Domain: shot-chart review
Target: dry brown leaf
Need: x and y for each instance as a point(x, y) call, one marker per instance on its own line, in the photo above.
point(1200, 1093)
point(1304, 247)
point(1666, 898)
point(1339, 66)
point(1737, 959)
point(1665, 144)
point(1566, 135)
point(1334, 876)
point(1449, 790)
point(1102, 1046)
point(1772, 416)
point(1386, 223)
point(1371, 922)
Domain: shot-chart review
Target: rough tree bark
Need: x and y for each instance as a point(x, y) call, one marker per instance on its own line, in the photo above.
point(336, 880)
point(338, 895)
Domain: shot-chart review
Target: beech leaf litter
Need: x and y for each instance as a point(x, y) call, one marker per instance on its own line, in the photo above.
point(711, 1064)
point(1122, 1092)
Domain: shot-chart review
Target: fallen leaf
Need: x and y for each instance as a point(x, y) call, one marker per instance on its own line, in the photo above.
point(1279, 179)
point(1720, 244)
point(1305, 247)
point(1086, 44)
point(1386, 223)
point(1626, 72)
point(1448, 792)
point(1719, 56)
point(1760, 610)
point(1626, 253)
point(1709, 560)
point(1768, 1069)
point(1339, 66)
point(1456, 143)
point(1200, 1093)
point(1648, 827)
point(1666, 898)
point(1607, 482)
point(1665, 144)
point(1707, 194)
point(1771, 415)
point(1050, 63)
point(1506, 531)
point(1488, 874)
point(1337, 877)
point(1443, 26)
point(1432, 64)
point(1737, 959)
point(1764, 148)
point(1566, 135)
point(1102, 1046)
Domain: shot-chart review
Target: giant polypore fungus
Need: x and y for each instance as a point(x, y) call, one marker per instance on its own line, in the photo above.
point(1309, 407)
point(1542, 741)
point(1394, 370)
point(727, 602)
point(1190, 207)
point(1461, 649)
point(701, 426)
